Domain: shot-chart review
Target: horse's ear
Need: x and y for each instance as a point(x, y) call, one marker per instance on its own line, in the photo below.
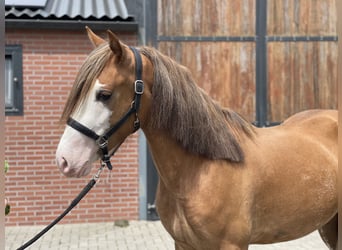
point(116, 46)
point(95, 39)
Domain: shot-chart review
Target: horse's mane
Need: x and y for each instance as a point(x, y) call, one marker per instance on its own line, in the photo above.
point(179, 106)
point(197, 122)
point(89, 71)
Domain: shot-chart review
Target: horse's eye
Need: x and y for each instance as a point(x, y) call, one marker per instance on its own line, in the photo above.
point(103, 96)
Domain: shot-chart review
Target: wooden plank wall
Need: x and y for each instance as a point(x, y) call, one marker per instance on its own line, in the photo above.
point(309, 17)
point(206, 18)
point(224, 69)
point(301, 75)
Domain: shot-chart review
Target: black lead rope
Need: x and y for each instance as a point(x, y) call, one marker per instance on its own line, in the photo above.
point(85, 190)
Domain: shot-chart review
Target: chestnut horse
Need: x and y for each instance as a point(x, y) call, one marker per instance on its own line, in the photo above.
point(223, 183)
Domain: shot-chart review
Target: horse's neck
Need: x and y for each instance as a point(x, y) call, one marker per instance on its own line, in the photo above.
point(173, 163)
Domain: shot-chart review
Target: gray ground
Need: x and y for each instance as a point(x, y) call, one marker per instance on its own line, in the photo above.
point(138, 235)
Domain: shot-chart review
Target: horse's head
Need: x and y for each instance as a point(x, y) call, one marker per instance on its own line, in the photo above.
point(104, 95)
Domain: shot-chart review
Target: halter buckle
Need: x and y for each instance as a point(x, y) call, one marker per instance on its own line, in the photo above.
point(139, 87)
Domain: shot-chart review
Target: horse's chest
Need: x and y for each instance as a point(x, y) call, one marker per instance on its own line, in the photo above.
point(202, 216)
point(186, 226)
point(198, 222)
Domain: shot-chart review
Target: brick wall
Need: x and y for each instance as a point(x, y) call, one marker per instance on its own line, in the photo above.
point(37, 191)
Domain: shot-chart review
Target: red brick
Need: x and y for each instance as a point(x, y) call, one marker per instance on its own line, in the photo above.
point(36, 189)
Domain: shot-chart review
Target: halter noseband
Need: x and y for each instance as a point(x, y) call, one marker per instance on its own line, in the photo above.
point(102, 140)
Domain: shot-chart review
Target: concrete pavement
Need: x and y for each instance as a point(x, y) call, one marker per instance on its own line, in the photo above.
point(139, 235)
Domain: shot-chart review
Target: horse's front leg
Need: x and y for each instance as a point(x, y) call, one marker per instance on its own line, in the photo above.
point(182, 246)
point(232, 246)
point(223, 246)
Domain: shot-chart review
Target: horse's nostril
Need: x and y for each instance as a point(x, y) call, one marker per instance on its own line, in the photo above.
point(64, 163)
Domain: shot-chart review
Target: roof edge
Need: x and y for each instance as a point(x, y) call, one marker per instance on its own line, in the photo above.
point(70, 25)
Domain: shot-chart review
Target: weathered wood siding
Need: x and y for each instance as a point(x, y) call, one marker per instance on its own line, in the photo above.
point(298, 17)
point(300, 75)
point(224, 70)
point(206, 18)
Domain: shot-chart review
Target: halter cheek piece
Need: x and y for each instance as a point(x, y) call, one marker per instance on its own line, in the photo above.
point(102, 140)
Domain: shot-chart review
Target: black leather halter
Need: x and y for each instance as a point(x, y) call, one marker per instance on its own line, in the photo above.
point(102, 140)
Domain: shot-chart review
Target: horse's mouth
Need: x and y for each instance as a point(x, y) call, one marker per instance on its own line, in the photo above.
point(77, 172)
point(86, 167)
point(84, 171)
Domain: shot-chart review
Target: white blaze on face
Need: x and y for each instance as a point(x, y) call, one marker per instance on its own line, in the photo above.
point(76, 152)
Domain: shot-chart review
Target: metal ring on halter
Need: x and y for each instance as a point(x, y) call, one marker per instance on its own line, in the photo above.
point(102, 142)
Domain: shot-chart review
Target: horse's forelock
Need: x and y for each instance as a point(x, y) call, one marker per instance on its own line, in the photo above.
point(87, 74)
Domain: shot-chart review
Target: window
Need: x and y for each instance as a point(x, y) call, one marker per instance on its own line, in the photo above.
point(13, 80)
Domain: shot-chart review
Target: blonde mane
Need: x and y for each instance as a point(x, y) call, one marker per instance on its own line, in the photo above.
point(89, 71)
point(197, 122)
